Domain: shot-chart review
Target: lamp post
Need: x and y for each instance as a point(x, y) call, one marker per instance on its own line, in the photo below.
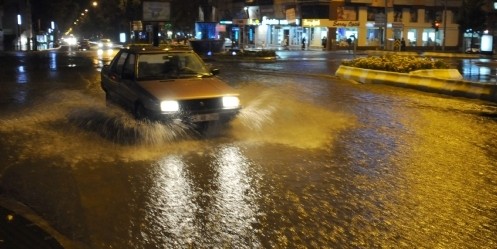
point(385, 26)
point(54, 35)
point(19, 23)
point(445, 25)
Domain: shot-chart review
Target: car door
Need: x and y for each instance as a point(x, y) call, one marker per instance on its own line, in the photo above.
point(111, 77)
point(128, 90)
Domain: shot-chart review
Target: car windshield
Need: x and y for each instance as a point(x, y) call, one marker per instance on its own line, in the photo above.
point(170, 65)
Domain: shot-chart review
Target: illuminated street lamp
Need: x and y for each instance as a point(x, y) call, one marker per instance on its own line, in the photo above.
point(19, 23)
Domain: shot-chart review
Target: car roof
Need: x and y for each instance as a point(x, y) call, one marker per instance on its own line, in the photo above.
point(147, 48)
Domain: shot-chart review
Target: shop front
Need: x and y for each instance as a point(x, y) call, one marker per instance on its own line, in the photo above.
point(342, 33)
point(280, 34)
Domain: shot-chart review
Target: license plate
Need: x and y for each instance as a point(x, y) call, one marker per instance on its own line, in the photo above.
point(205, 117)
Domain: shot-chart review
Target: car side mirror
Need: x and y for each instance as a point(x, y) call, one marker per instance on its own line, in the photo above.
point(105, 68)
point(215, 71)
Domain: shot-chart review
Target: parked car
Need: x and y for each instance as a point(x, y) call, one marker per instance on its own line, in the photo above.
point(168, 83)
point(472, 51)
point(84, 44)
point(228, 43)
point(105, 44)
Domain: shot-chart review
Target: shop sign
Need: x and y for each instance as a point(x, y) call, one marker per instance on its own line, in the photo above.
point(270, 21)
point(156, 11)
point(137, 26)
point(253, 21)
point(242, 22)
point(266, 21)
point(311, 22)
point(345, 24)
point(329, 23)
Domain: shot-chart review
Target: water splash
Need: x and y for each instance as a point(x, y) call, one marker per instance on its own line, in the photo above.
point(121, 128)
point(280, 116)
point(78, 127)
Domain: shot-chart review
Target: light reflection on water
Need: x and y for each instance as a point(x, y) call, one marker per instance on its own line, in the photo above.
point(170, 205)
point(478, 70)
point(53, 61)
point(188, 207)
point(234, 207)
point(22, 75)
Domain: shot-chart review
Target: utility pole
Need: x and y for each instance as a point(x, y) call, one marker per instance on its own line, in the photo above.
point(445, 24)
point(385, 27)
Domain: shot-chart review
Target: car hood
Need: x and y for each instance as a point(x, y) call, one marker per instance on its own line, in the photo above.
point(195, 88)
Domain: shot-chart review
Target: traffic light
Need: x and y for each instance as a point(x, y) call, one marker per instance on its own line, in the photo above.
point(435, 25)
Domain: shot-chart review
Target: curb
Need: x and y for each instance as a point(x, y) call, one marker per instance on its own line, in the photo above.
point(427, 54)
point(21, 227)
point(453, 87)
point(234, 58)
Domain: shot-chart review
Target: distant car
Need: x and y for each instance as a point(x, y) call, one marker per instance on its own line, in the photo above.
point(228, 43)
point(84, 44)
point(168, 83)
point(105, 44)
point(472, 51)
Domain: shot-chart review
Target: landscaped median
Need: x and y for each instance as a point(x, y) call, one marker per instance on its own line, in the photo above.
point(436, 82)
point(422, 74)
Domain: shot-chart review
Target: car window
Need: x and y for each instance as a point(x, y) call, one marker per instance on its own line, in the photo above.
point(170, 65)
point(129, 66)
point(118, 66)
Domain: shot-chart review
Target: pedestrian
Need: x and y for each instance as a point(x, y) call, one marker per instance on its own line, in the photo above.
point(323, 42)
point(403, 44)
point(303, 43)
point(349, 44)
point(285, 43)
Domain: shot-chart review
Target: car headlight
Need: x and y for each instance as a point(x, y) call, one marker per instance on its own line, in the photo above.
point(100, 45)
point(169, 106)
point(231, 102)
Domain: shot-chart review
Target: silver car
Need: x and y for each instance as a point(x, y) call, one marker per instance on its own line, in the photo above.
point(167, 83)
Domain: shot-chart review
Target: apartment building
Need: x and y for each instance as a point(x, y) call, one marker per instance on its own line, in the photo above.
point(15, 24)
point(330, 23)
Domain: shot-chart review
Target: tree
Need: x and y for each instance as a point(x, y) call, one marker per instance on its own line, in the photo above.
point(470, 19)
point(62, 12)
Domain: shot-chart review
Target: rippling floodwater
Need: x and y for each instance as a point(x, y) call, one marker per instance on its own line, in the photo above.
point(309, 163)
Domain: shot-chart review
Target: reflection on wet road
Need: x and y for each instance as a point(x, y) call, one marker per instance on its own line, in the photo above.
point(479, 70)
point(311, 162)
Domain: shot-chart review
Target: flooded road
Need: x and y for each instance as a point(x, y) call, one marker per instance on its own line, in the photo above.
point(311, 162)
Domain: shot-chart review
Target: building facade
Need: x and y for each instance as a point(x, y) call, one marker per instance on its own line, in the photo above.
point(333, 24)
point(15, 24)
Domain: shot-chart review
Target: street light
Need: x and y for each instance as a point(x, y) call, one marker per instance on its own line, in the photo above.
point(19, 23)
